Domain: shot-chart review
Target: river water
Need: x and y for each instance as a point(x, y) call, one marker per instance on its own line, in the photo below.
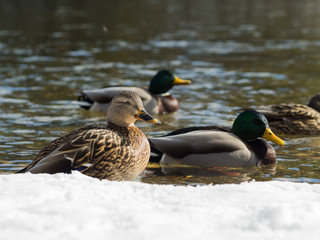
point(237, 53)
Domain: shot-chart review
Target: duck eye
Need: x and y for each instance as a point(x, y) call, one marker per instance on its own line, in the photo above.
point(128, 103)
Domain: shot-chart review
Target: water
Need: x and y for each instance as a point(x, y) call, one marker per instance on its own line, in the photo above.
point(238, 54)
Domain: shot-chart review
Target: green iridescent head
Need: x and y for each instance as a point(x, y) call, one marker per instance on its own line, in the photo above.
point(250, 125)
point(163, 81)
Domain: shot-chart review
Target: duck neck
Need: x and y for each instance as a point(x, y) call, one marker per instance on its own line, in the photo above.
point(117, 128)
point(118, 121)
point(264, 151)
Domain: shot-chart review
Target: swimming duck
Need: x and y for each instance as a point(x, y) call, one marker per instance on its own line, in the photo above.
point(156, 99)
point(214, 146)
point(115, 151)
point(289, 118)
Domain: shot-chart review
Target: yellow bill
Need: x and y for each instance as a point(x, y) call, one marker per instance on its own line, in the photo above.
point(269, 135)
point(179, 81)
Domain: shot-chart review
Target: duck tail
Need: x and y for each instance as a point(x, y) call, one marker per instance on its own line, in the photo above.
point(84, 101)
point(155, 155)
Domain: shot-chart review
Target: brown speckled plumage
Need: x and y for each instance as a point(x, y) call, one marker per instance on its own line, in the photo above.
point(103, 151)
point(293, 118)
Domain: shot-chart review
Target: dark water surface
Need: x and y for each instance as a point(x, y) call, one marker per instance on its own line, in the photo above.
point(238, 54)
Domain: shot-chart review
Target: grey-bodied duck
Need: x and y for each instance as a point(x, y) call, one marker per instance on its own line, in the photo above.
point(115, 151)
point(156, 99)
point(290, 118)
point(214, 146)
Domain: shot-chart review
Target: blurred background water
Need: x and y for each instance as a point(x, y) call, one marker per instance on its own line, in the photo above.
point(238, 53)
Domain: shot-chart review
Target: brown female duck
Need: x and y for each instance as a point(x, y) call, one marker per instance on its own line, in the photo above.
point(290, 118)
point(116, 151)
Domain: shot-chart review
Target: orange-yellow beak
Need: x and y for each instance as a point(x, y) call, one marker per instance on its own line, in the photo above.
point(269, 135)
point(179, 81)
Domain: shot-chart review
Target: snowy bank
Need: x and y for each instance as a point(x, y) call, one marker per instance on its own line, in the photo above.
point(79, 207)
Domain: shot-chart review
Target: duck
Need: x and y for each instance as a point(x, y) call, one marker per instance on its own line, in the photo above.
point(294, 119)
point(218, 146)
point(156, 99)
point(115, 151)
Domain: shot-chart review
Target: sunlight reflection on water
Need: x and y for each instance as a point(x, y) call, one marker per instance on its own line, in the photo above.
point(232, 60)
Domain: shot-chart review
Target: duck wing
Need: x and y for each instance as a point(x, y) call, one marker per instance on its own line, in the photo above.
point(179, 145)
point(292, 118)
point(76, 150)
point(196, 128)
point(288, 111)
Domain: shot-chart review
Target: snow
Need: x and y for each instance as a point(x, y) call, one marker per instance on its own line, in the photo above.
point(79, 207)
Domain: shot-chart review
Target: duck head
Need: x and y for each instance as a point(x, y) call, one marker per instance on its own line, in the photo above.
point(250, 125)
point(126, 108)
point(315, 102)
point(164, 80)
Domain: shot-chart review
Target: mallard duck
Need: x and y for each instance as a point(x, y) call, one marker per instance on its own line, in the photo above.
point(214, 146)
point(294, 118)
point(156, 99)
point(116, 151)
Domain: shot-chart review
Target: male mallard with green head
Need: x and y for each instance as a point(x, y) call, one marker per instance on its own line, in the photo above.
point(116, 151)
point(289, 118)
point(156, 99)
point(213, 146)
